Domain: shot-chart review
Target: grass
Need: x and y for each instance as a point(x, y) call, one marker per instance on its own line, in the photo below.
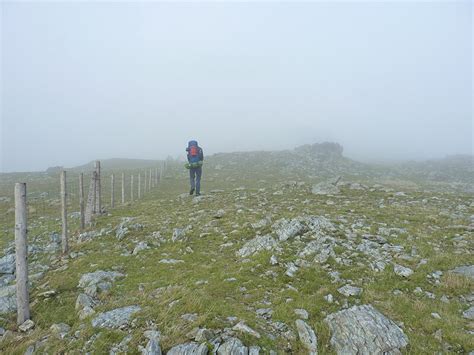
point(166, 292)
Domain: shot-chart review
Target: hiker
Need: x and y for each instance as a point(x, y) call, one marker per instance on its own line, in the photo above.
point(195, 160)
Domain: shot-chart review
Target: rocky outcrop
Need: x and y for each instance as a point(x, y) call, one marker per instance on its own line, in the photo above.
point(257, 244)
point(116, 318)
point(364, 330)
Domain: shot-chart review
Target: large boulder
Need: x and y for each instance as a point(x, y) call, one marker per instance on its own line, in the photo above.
point(307, 336)
point(364, 330)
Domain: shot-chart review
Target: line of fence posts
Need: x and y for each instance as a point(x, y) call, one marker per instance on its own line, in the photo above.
point(94, 206)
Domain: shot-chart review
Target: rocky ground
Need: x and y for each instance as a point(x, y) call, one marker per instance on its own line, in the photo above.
point(269, 260)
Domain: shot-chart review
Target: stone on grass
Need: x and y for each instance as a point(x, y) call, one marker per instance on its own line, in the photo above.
point(7, 264)
point(286, 229)
point(307, 336)
point(115, 318)
point(466, 270)
point(402, 270)
point(232, 346)
point(152, 348)
point(98, 278)
point(348, 290)
point(26, 326)
point(60, 330)
point(302, 313)
point(257, 244)
point(244, 328)
point(469, 313)
point(84, 301)
point(364, 330)
point(190, 348)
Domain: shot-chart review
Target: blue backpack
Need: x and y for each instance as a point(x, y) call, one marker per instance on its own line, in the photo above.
point(193, 152)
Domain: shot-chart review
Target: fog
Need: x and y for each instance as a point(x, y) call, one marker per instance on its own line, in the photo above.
point(84, 80)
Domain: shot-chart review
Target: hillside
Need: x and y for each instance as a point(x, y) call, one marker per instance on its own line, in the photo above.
point(277, 256)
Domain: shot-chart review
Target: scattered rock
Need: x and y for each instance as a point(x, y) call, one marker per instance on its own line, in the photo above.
point(242, 327)
point(26, 326)
point(402, 270)
point(116, 318)
point(364, 330)
point(302, 313)
point(257, 244)
point(469, 313)
point(348, 290)
point(325, 188)
point(7, 264)
point(466, 270)
point(139, 247)
point(190, 348)
point(286, 229)
point(232, 346)
point(60, 330)
point(307, 336)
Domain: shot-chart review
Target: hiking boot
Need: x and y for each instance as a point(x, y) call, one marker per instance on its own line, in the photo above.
point(198, 194)
point(191, 192)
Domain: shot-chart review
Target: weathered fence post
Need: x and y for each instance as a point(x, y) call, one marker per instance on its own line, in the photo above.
point(64, 213)
point(123, 188)
point(112, 198)
point(131, 188)
point(21, 253)
point(139, 185)
point(98, 208)
point(149, 182)
point(81, 200)
point(156, 176)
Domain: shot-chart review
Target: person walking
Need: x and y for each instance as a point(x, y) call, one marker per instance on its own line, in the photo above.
point(195, 161)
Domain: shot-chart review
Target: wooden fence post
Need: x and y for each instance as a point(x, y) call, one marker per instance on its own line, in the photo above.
point(139, 185)
point(149, 182)
point(123, 188)
point(64, 212)
point(98, 208)
point(21, 253)
point(112, 198)
point(131, 188)
point(156, 176)
point(81, 200)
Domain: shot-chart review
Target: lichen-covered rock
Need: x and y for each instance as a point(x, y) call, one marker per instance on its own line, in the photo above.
point(257, 244)
point(286, 229)
point(7, 264)
point(232, 346)
point(364, 330)
point(115, 318)
point(7, 304)
point(465, 270)
point(348, 290)
point(98, 277)
point(189, 349)
point(402, 270)
point(307, 336)
point(152, 347)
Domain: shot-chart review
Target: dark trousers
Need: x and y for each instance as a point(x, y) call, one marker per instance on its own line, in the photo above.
point(195, 179)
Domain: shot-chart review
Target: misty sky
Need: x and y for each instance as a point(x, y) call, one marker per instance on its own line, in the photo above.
point(87, 80)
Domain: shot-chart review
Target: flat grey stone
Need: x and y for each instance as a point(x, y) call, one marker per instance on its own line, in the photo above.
point(257, 244)
point(7, 264)
point(98, 277)
point(115, 318)
point(188, 349)
point(7, 304)
point(402, 270)
point(348, 290)
point(307, 336)
point(286, 229)
point(469, 313)
point(232, 346)
point(152, 348)
point(364, 330)
point(466, 270)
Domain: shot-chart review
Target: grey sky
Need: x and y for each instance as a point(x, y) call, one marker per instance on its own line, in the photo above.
point(387, 80)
